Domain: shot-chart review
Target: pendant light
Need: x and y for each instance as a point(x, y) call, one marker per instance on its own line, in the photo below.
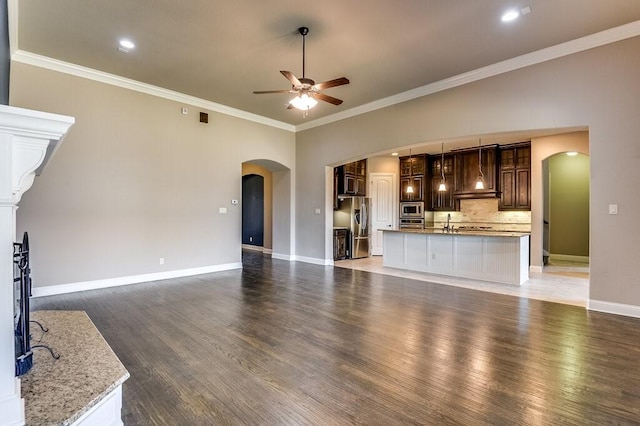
point(410, 186)
point(442, 187)
point(480, 181)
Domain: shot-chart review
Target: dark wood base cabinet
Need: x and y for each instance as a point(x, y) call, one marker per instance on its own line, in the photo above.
point(340, 246)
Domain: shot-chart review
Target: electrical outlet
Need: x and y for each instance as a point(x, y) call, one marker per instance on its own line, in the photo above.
point(613, 209)
point(250, 239)
point(162, 260)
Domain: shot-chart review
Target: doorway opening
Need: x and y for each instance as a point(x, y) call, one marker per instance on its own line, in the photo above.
point(566, 213)
point(267, 208)
point(253, 204)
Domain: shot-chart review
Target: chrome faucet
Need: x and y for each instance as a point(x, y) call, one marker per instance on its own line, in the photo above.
point(447, 228)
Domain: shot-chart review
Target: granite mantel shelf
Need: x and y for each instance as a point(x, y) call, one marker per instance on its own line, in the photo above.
point(66, 390)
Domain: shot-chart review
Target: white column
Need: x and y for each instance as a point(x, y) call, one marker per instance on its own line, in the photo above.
point(27, 140)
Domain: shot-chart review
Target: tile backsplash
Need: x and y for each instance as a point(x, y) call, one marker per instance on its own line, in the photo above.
point(482, 212)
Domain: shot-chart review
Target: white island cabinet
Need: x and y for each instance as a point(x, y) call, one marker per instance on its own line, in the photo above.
point(501, 257)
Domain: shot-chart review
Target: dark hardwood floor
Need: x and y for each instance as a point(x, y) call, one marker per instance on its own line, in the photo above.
point(294, 343)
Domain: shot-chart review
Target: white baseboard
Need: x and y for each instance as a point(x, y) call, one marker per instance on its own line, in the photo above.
point(114, 282)
point(282, 256)
point(569, 257)
point(314, 260)
point(614, 308)
point(537, 269)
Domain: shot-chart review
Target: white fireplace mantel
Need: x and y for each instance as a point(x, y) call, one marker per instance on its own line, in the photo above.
point(28, 139)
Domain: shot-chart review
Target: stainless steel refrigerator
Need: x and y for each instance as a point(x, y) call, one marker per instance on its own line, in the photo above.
point(353, 214)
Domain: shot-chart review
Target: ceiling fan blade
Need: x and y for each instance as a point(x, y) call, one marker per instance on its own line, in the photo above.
point(331, 83)
point(262, 92)
point(327, 98)
point(292, 78)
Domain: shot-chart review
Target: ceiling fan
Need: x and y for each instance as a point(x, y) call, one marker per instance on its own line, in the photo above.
point(307, 90)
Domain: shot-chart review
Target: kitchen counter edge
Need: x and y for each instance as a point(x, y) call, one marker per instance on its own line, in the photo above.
point(482, 233)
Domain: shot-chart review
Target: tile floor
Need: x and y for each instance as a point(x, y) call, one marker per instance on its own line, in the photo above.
point(561, 282)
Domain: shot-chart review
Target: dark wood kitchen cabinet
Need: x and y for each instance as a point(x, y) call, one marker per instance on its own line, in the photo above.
point(467, 171)
point(340, 246)
point(351, 179)
point(442, 200)
point(412, 170)
point(515, 177)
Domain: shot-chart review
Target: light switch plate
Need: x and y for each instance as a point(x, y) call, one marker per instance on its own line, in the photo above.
point(613, 209)
point(317, 211)
point(222, 210)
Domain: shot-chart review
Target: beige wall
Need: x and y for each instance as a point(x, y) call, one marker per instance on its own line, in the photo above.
point(595, 89)
point(135, 180)
point(249, 169)
point(383, 164)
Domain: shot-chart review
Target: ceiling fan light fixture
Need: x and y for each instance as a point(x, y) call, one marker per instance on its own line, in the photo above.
point(303, 102)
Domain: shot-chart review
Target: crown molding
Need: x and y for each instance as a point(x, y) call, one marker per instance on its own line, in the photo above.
point(115, 80)
point(564, 49)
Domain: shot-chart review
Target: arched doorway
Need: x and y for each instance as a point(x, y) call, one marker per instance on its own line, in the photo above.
point(277, 226)
point(566, 210)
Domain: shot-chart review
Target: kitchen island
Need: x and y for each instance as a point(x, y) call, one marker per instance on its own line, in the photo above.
point(495, 256)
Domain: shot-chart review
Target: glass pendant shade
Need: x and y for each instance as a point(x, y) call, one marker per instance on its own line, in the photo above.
point(303, 102)
point(442, 187)
point(480, 181)
point(410, 186)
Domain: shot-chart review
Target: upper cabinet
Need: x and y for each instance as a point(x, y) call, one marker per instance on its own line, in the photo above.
point(515, 177)
point(412, 171)
point(351, 179)
point(467, 172)
point(506, 172)
point(442, 200)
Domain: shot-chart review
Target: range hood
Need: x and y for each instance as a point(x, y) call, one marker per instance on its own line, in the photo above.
point(466, 173)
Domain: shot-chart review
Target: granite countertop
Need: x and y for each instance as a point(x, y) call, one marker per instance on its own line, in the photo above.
point(58, 392)
point(478, 233)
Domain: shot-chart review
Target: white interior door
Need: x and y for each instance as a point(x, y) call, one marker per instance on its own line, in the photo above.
point(384, 205)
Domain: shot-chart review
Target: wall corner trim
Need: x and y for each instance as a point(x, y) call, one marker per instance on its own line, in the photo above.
point(135, 279)
point(614, 308)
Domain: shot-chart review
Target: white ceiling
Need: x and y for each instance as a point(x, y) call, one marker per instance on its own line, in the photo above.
point(221, 51)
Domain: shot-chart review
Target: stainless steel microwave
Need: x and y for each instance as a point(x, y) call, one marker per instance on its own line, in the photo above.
point(412, 209)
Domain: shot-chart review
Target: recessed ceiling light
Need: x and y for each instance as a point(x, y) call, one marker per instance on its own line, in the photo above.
point(510, 16)
point(514, 14)
point(126, 45)
point(395, 154)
